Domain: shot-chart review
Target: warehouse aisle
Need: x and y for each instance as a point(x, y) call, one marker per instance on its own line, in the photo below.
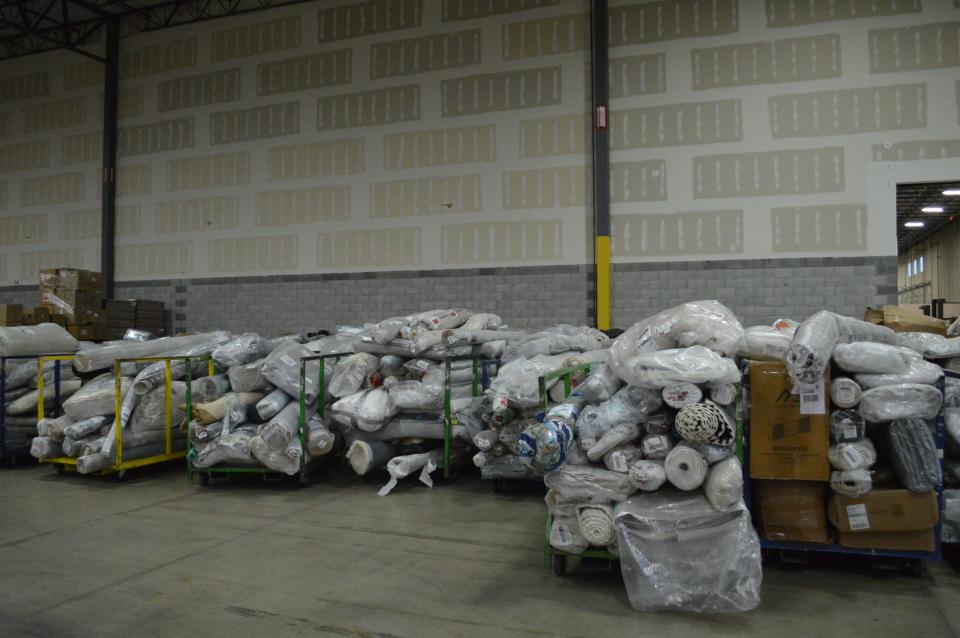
point(161, 557)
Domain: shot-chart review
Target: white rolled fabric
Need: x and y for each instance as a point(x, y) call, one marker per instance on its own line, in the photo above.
point(868, 357)
point(845, 393)
point(723, 393)
point(764, 343)
point(858, 455)
point(623, 433)
point(946, 349)
point(565, 535)
point(369, 455)
point(648, 475)
point(918, 371)
point(724, 484)
point(680, 395)
point(852, 483)
point(621, 457)
point(31, 340)
point(486, 439)
point(596, 523)
point(891, 402)
point(686, 468)
point(656, 446)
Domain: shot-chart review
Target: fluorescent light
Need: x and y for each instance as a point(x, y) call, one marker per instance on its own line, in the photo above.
point(952, 191)
point(914, 224)
point(932, 209)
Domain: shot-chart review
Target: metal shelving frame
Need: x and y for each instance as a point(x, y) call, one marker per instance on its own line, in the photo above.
point(23, 451)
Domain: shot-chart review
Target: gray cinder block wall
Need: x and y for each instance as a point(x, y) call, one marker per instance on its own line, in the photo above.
point(758, 291)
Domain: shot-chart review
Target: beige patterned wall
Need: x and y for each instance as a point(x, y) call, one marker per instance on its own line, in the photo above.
point(398, 134)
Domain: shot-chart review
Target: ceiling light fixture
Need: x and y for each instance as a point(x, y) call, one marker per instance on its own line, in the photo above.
point(952, 191)
point(932, 209)
point(914, 224)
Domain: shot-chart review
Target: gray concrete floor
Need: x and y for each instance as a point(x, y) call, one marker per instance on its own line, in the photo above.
point(158, 556)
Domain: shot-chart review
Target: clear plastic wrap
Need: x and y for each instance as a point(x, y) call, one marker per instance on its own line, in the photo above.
point(210, 388)
point(350, 373)
point(656, 446)
point(28, 402)
point(518, 381)
point(229, 449)
point(486, 439)
point(891, 402)
point(509, 467)
point(856, 455)
point(270, 405)
point(617, 435)
point(620, 458)
point(596, 523)
point(285, 426)
point(662, 368)
point(425, 394)
point(678, 552)
point(918, 371)
point(151, 409)
point(851, 330)
point(365, 456)
point(811, 348)
point(685, 467)
point(723, 393)
point(387, 330)
point(588, 484)
point(35, 340)
point(869, 357)
point(44, 447)
point(647, 475)
point(918, 341)
point(248, 377)
point(630, 405)
point(764, 343)
point(556, 339)
point(320, 440)
point(97, 398)
point(565, 535)
point(368, 410)
point(103, 357)
point(705, 423)
point(243, 349)
point(600, 385)
point(85, 427)
point(845, 393)
point(20, 373)
point(440, 319)
point(206, 413)
point(546, 444)
point(400, 467)
point(852, 483)
point(286, 460)
point(847, 426)
point(946, 349)
point(724, 484)
point(914, 455)
point(282, 369)
point(483, 321)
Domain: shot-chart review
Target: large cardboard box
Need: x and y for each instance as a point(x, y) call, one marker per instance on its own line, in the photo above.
point(88, 332)
point(80, 306)
point(900, 319)
point(920, 540)
point(785, 444)
point(59, 319)
point(11, 314)
point(884, 511)
point(792, 511)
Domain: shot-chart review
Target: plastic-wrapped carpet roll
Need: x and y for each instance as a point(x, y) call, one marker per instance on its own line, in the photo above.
point(724, 484)
point(210, 412)
point(617, 435)
point(596, 523)
point(365, 456)
point(509, 467)
point(12, 395)
point(285, 461)
point(811, 348)
point(28, 402)
point(851, 483)
point(486, 439)
point(656, 446)
point(712, 453)
point(764, 343)
point(659, 423)
point(680, 395)
point(647, 475)
point(857, 455)
point(285, 427)
point(320, 440)
point(706, 423)
point(946, 349)
point(201, 434)
point(102, 357)
point(600, 385)
point(85, 427)
point(662, 368)
point(686, 468)
point(229, 449)
point(918, 371)
point(483, 457)
point(20, 373)
point(248, 377)
point(210, 388)
point(723, 393)
point(845, 393)
point(565, 535)
point(282, 368)
point(914, 455)
point(620, 458)
point(546, 444)
point(151, 409)
point(350, 373)
point(868, 357)
point(847, 426)
point(243, 349)
point(400, 467)
point(588, 484)
point(43, 447)
point(630, 404)
point(97, 398)
point(368, 410)
point(918, 341)
point(33, 340)
point(270, 405)
point(851, 330)
point(903, 401)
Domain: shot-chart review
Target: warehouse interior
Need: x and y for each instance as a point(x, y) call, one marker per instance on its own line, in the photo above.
point(469, 317)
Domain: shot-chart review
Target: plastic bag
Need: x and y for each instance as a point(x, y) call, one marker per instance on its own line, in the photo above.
point(600, 385)
point(857, 455)
point(871, 358)
point(724, 484)
point(350, 373)
point(917, 371)
point(588, 484)
point(678, 552)
point(545, 444)
point(243, 349)
point(891, 402)
point(695, 364)
point(914, 455)
point(565, 535)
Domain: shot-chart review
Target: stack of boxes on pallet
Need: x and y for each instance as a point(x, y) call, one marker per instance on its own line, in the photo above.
point(150, 317)
point(75, 295)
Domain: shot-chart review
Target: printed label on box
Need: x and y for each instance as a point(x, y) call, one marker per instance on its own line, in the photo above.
point(857, 516)
point(811, 398)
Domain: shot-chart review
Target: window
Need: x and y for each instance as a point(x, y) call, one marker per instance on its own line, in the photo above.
point(909, 273)
point(915, 267)
point(921, 263)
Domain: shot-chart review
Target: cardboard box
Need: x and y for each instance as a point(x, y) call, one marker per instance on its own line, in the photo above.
point(70, 278)
point(793, 511)
point(785, 444)
point(59, 319)
point(89, 332)
point(41, 315)
point(920, 540)
point(11, 314)
point(901, 319)
point(80, 306)
point(884, 511)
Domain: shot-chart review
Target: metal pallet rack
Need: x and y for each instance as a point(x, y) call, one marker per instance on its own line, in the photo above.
point(789, 549)
point(13, 452)
point(480, 381)
point(120, 466)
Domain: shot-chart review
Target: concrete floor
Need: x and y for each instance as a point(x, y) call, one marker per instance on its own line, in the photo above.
point(158, 556)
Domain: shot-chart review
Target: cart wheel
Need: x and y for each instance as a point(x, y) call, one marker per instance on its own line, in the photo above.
point(498, 485)
point(60, 468)
point(305, 481)
point(560, 565)
point(204, 479)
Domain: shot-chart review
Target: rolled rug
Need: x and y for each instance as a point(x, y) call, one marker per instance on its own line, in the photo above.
point(724, 484)
point(43, 447)
point(621, 457)
point(858, 455)
point(902, 401)
point(680, 395)
point(656, 446)
point(845, 393)
point(847, 426)
point(812, 345)
point(914, 455)
point(596, 523)
point(918, 371)
point(647, 475)
point(369, 455)
point(565, 535)
point(872, 358)
point(623, 433)
point(705, 422)
point(852, 483)
point(723, 393)
point(686, 468)
point(712, 453)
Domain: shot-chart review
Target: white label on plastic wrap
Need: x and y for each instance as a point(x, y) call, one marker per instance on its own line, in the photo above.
point(420, 364)
point(723, 394)
point(850, 432)
point(852, 456)
point(619, 463)
point(811, 398)
point(843, 394)
point(562, 536)
point(288, 360)
point(654, 445)
point(857, 517)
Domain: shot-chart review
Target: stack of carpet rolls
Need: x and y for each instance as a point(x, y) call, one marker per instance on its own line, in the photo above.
point(658, 414)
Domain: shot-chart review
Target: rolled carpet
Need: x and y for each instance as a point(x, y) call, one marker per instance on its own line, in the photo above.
point(647, 475)
point(706, 423)
point(596, 523)
point(845, 393)
point(724, 484)
point(686, 468)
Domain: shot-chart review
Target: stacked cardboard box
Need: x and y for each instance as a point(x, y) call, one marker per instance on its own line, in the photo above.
point(150, 317)
point(75, 294)
point(11, 314)
point(121, 316)
point(905, 319)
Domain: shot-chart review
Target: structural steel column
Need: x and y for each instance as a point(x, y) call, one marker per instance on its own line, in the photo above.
point(108, 202)
point(600, 79)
